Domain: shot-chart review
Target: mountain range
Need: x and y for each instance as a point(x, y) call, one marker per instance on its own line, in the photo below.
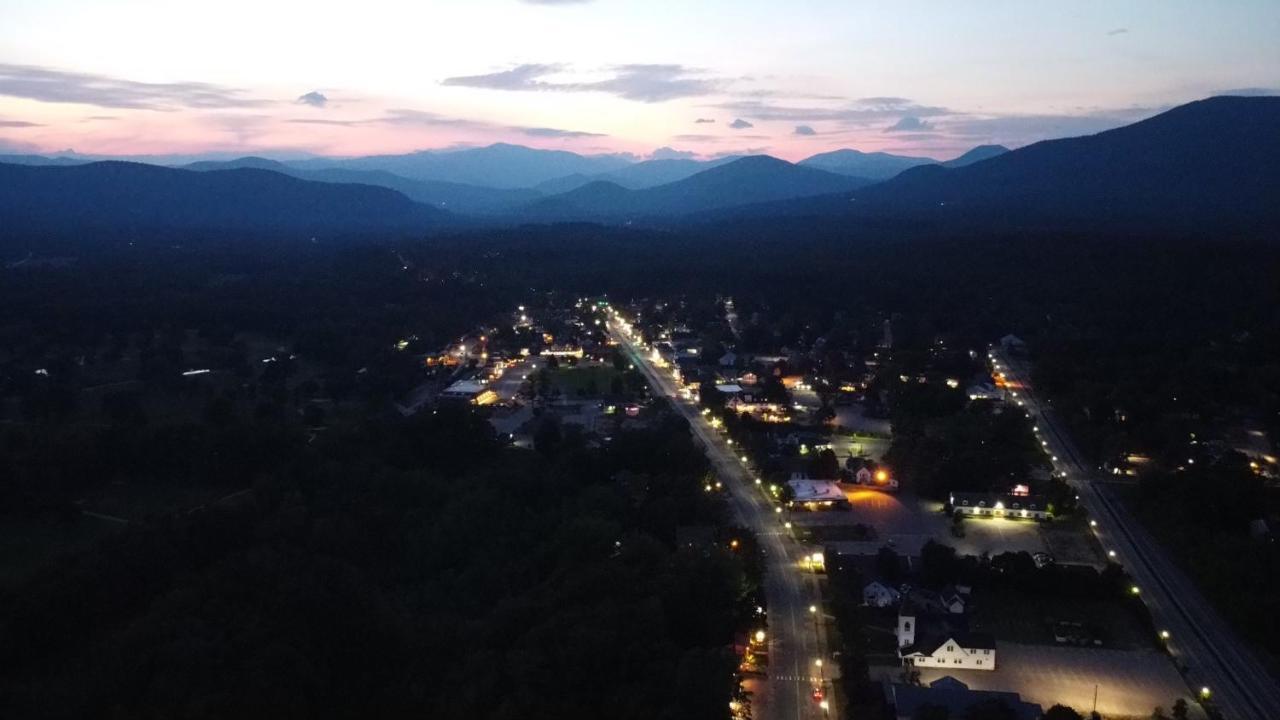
point(126, 197)
point(1206, 164)
point(1210, 163)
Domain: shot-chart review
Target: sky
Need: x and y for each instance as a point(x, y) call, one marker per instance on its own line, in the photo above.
point(672, 77)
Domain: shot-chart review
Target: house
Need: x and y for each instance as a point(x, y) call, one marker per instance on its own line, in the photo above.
point(949, 601)
point(880, 595)
point(471, 391)
point(1010, 506)
point(948, 692)
point(957, 651)
point(728, 360)
point(813, 494)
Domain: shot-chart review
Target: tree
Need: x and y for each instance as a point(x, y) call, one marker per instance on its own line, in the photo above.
point(1180, 709)
point(826, 466)
point(1061, 712)
point(887, 565)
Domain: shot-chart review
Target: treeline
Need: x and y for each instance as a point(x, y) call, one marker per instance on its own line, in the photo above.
point(410, 568)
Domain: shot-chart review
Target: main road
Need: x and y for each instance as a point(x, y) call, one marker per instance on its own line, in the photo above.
point(1219, 666)
point(796, 635)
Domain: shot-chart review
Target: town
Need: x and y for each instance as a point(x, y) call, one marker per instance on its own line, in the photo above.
point(892, 585)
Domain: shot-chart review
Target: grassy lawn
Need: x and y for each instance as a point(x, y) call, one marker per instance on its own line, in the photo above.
point(1020, 617)
point(1070, 542)
point(584, 380)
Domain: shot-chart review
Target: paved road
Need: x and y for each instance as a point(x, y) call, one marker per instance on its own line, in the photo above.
point(1201, 640)
point(797, 636)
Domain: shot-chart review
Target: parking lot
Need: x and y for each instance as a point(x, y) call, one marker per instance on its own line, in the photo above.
point(1129, 683)
point(906, 522)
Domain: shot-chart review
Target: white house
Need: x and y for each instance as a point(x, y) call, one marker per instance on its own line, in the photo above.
point(877, 594)
point(1027, 507)
point(937, 645)
point(959, 651)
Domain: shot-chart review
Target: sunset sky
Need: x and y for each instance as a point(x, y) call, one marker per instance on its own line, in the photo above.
point(707, 77)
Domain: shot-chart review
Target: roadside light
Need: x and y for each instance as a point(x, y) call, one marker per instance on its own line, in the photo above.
point(1134, 590)
point(759, 481)
point(1093, 523)
point(1111, 553)
point(813, 609)
point(818, 662)
point(824, 705)
point(881, 476)
point(733, 544)
point(777, 510)
point(744, 458)
point(760, 636)
point(787, 524)
point(1204, 692)
point(1164, 634)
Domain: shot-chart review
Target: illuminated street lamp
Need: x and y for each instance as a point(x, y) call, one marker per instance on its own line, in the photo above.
point(1111, 553)
point(1204, 693)
point(1134, 590)
point(813, 609)
point(1164, 634)
point(760, 636)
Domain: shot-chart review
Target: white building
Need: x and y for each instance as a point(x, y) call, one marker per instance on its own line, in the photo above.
point(877, 594)
point(1027, 507)
point(928, 640)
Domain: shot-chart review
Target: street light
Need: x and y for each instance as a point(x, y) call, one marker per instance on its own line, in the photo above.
point(1204, 692)
point(813, 609)
point(1164, 634)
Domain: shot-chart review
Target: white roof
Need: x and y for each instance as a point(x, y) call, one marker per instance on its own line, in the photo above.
point(465, 387)
point(815, 490)
point(729, 389)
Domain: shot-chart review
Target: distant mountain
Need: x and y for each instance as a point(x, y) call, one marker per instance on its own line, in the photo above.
point(753, 179)
point(978, 154)
point(117, 196)
point(1211, 165)
point(455, 197)
point(496, 166)
point(641, 175)
point(872, 166)
point(39, 160)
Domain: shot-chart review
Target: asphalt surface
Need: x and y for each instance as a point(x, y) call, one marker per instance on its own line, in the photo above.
point(796, 636)
point(1214, 656)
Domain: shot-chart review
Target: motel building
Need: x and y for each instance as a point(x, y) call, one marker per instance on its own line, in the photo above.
point(1016, 505)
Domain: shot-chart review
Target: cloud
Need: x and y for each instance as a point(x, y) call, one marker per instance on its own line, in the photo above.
point(55, 86)
point(555, 132)
point(910, 123)
point(669, 153)
point(696, 138)
point(642, 83)
point(703, 121)
point(18, 124)
point(423, 118)
point(314, 98)
point(556, 2)
point(865, 112)
point(740, 124)
point(1117, 31)
point(1249, 92)
point(804, 130)
point(742, 151)
point(1016, 130)
point(884, 101)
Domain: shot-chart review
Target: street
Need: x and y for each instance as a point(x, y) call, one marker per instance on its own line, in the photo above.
point(1219, 666)
point(796, 634)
